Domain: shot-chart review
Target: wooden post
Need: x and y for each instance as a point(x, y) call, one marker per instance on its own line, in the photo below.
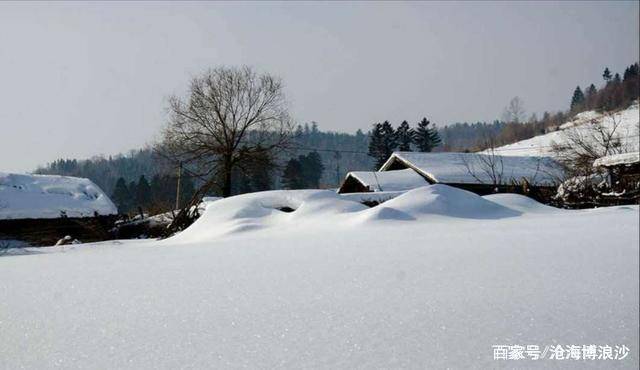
point(178, 187)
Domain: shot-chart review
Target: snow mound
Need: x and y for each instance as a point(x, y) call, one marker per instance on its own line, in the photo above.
point(294, 210)
point(261, 210)
point(47, 196)
point(520, 203)
point(439, 200)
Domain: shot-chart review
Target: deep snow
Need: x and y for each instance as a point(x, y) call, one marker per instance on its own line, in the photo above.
point(430, 279)
point(49, 196)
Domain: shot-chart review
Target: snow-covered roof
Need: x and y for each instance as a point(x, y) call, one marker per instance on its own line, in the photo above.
point(471, 168)
point(617, 159)
point(46, 196)
point(390, 180)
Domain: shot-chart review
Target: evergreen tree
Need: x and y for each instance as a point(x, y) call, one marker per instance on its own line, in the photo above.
point(389, 142)
point(591, 97)
point(631, 84)
point(577, 101)
point(259, 172)
point(311, 167)
point(606, 75)
point(121, 196)
point(292, 175)
point(143, 192)
point(404, 135)
point(425, 137)
point(376, 145)
point(157, 190)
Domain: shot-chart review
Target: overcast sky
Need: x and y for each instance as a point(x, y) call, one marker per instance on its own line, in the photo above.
point(81, 79)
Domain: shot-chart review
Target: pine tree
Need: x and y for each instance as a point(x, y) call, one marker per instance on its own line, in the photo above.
point(292, 175)
point(577, 101)
point(404, 135)
point(143, 192)
point(425, 137)
point(260, 172)
point(157, 190)
point(376, 145)
point(389, 142)
point(121, 196)
point(631, 84)
point(311, 168)
point(590, 96)
point(606, 75)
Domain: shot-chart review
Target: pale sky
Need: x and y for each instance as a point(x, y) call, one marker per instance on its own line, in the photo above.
point(82, 79)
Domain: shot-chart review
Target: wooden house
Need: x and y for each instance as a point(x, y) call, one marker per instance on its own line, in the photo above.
point(479, 173)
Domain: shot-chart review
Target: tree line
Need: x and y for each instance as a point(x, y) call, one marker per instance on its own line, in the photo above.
point(384, 139)
point(617, 92)
point(153, 197)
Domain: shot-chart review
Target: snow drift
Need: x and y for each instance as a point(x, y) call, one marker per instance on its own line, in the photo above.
point(426, 284)
point(440, 200)
point(47, 196)
point(288, 209)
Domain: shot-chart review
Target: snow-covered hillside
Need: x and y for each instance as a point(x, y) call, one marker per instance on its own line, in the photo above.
point(628, 131)
point(46, 196)
point(430, 279)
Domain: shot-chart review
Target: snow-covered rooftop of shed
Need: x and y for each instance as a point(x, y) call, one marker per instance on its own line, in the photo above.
point(46, 196)
point(471, 168)
point(390, 180)
point(617, 159)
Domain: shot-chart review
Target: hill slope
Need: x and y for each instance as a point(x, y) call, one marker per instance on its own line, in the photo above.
point(542, 145)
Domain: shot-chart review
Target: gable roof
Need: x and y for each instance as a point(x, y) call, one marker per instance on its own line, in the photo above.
point(469, 168)
point(398, 180)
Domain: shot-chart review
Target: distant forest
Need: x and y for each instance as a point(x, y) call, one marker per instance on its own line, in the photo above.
point(340, 153)
point(148, 179)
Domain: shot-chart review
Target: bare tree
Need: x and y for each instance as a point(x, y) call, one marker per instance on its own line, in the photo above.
point(581, 146)
point(231, 116)
point(514, 112)
point(485, 166)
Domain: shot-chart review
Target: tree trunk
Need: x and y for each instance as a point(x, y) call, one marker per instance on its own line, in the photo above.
point(226, 184)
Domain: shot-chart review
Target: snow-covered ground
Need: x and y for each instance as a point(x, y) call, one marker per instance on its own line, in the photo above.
point(430, 279)
point(628, 131)
point(48, 196)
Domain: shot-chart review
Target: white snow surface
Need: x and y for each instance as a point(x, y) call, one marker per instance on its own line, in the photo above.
point(616, 159)
point(398, 180)
point(470, 168)
point(430, 279)
point(628, 131)
point(48, 196)
point(378, 196)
